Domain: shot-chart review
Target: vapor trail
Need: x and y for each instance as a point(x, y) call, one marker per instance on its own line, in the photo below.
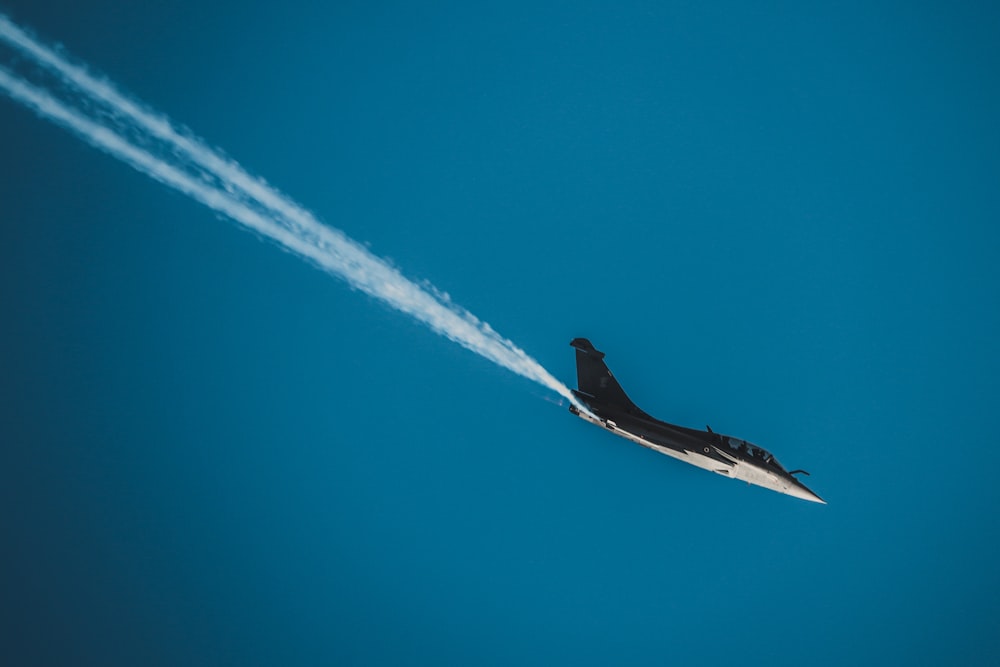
point(108, 120)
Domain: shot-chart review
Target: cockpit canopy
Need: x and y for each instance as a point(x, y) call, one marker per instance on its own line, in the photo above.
point(748, 449)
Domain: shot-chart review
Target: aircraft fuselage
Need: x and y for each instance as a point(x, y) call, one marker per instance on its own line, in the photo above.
point(722, 454)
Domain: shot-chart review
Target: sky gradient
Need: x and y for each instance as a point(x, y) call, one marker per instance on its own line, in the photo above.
point(780, 222)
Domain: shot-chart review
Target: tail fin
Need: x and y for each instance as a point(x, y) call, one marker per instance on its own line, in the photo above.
point(595, 379)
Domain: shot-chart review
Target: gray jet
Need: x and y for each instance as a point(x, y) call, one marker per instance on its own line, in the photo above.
point(731, 457)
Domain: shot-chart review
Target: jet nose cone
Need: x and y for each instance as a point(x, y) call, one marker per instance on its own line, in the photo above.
point(814, 498)
point(799, 490)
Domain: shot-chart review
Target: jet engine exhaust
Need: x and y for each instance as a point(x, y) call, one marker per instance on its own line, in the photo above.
point(98, 113)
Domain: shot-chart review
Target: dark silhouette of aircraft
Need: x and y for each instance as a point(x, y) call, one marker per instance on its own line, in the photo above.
point(730, 457)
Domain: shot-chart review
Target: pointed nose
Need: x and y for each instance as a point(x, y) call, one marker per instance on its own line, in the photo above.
point(799, 490)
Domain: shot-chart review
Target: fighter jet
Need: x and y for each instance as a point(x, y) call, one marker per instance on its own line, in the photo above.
point(731, 457)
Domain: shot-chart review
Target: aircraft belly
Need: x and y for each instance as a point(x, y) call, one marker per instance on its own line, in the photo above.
point(752, 474)
point(694, 458)
point(758, 477)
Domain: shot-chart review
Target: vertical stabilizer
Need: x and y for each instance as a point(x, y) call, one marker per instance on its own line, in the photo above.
point(594, 378)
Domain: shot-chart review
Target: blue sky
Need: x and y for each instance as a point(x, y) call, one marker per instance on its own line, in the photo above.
point(778, 221)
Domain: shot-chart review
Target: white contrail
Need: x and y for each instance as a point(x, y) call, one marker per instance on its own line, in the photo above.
point(221, 184)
